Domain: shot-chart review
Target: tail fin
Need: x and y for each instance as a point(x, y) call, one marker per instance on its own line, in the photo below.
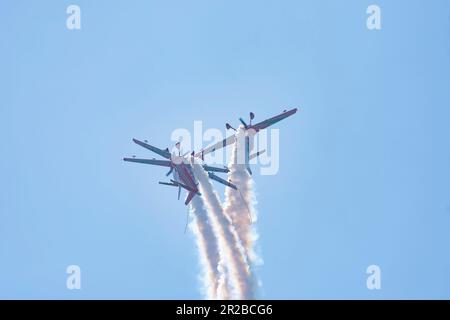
point(189, 197)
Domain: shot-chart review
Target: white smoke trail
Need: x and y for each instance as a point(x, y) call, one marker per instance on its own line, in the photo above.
point(228, 240)
point(223, 288)
point(207, 248)
point(240, 206)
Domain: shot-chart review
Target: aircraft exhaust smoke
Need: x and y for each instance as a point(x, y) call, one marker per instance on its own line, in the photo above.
point(240, 206)
point(230, 248)
point(207, 248)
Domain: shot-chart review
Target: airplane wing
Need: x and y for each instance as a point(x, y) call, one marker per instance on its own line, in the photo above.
point(222, 181)
point(257, 154)
point(215, 169)
point(163, 163)
point(163, 153)
point(191, 194)
point(168, 184)
point(217, 146)
point(268, 122)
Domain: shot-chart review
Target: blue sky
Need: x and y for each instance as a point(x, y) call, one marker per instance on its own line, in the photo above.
point(365, 165)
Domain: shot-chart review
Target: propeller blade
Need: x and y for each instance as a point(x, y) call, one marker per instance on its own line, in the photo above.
point(229, 127)
point(168, 173)
point(243, 123)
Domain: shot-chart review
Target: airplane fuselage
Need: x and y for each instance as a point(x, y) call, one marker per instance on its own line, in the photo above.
point(184, 174)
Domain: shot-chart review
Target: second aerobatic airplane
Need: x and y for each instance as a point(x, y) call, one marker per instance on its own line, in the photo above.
point(180, 166)
point(250, 131)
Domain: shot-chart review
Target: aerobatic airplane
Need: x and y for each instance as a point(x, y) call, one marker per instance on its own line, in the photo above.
point(250, 131)
point(183, 175)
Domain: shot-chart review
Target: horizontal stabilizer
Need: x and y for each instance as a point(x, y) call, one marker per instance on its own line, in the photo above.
point(179, 184)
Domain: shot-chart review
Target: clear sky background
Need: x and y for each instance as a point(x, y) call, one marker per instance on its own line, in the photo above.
point(365, 165)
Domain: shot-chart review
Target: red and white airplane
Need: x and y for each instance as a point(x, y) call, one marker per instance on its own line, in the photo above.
point(250, 131)
point(180, 166)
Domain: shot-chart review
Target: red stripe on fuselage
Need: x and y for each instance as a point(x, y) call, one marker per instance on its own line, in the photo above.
point(186, 177)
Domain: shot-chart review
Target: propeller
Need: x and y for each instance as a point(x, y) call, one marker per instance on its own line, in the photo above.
point(229, 127)
point(170, 171)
